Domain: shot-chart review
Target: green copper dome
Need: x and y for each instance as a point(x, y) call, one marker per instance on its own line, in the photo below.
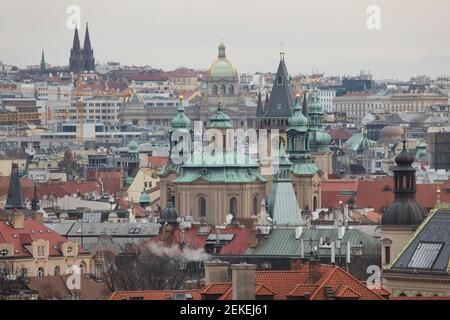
point(144, 198)
point(221, 67)
point(220, 120)
point(323, 138)
point(133, 146)
point(298, 121)
point(181, 120)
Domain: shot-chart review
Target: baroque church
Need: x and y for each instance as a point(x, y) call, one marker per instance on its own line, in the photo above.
point(81, 59)
point(211, 185)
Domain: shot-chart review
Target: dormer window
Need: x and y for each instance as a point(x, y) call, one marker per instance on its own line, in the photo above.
point(4, 253)
point(280, 80)
point(40, 251)
point(69, 249)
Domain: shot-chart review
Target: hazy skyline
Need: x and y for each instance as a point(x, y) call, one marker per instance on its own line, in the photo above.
point(330, 36)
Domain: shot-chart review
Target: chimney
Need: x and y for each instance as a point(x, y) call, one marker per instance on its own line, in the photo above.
point(298, 232)
point(17, 220)
point(341, 232)
point(314, 270)
point(216, 271)
point(243, 281)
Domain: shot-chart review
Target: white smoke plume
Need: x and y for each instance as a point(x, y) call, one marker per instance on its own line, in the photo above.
point(174, 251)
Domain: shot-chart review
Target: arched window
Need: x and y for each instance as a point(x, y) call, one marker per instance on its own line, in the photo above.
point(40, 272)
point(255, 206)
point(201, 207)
point(402, 294)
point(222, 89)
point(231, 90)
point(315, 203)
point(280, 80)
point(82, 268)
point(233, 206)
point(57, 271)
point(214, 89)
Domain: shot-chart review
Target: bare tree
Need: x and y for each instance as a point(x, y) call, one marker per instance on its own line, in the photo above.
point(142, 270)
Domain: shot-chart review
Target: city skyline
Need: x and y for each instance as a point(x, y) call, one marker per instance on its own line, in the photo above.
point(402, 48)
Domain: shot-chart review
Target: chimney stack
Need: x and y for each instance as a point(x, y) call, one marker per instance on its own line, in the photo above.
point(243, 281)
point(39, 216)
point(17, 220)
point(216, 271)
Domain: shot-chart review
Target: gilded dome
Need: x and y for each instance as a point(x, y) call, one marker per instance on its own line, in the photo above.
point(221, 67)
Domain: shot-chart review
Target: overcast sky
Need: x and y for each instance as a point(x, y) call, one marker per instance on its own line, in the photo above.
point(326, 35)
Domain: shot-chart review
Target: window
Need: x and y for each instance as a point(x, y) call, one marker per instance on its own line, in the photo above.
point(222, 89)
point(280, 80)
point(202, 207)
point(69, 249)
point(231, 90)
point(57, 271)
point(214, 89)
point(4, 253)
point(233, 206)
point(40, 251)
point(40, 272)
point(387, 254)
point(255, 206)
point(82, 268)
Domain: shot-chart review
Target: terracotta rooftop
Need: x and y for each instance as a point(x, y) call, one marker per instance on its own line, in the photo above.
point(32, 230)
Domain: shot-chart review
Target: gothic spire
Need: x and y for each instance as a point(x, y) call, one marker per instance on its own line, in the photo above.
point(43, 60)
point(305, 105)
point(76, 41)
point(87, 39)
point(14, 198)
point(259, 107)
point(35, 200)
point(281, 102)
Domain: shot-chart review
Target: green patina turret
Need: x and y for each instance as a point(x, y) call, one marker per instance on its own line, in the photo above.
point(181, 120)
point(298, 142)
point(421, 153)
point(220, 120)
point(226, 166)
point(181, 127)
point(282, 202)
point(133, 146)
point(144, 199)
point(319, 139)
point(359, 142)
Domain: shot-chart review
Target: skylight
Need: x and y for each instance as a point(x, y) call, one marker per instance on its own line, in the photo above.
point(425, 255)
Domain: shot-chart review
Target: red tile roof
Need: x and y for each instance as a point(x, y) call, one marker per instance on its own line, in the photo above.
point(371, 194)
point(157, 162)
point(339, 134)
point(32, 230)
point(148, 77)
point(152, 295)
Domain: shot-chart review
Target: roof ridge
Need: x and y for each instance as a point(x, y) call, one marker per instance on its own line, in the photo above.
point(324, 281)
